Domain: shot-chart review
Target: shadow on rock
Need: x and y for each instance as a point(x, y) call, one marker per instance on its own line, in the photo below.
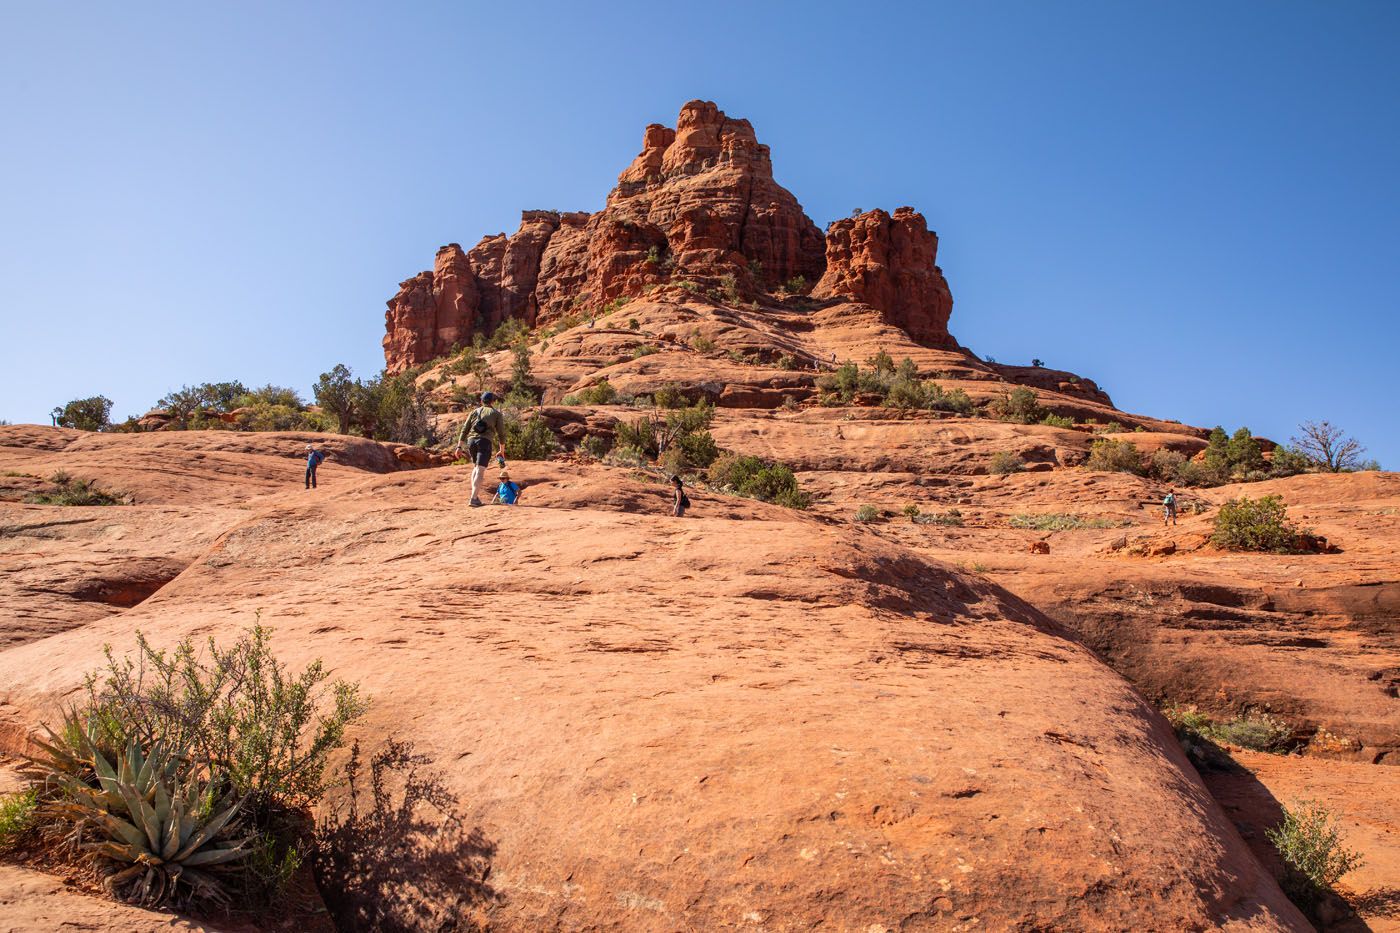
point(397, 855)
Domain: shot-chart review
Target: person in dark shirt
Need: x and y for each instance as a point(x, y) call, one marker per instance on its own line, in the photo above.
point(479, 430)
point(681, 502)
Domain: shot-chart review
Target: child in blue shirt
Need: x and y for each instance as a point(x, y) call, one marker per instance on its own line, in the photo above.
point(508, 492)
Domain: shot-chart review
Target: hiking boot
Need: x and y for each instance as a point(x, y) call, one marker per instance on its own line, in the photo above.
point(475, 503)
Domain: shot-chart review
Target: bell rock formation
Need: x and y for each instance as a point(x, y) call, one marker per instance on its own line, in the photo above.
point(698, 204)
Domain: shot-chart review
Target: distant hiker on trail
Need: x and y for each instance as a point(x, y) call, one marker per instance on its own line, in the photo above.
point(483, 424)
point(313, 460)
point(1169, 508)
point(681, 501)
point(507, 490)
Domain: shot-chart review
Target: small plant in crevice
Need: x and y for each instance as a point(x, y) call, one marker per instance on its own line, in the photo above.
point(867, 513)
point(70, 490)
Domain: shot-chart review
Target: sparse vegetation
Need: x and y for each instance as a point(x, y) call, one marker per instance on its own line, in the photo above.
point(1310, 844)
point(596, 446)
point(1019, 405)
point(1003, 463)
point(895, 386)
point(867, 513)
point(16, 816)
point(1061, 522)
point(70, 490)
point(1057, 421)
point(529, 439)
point(797, 285)
point(1109, 456)
point(187, 772)
point(669, 396)
point(757, 479)
point(702, 344)
point(600, 393)
point(1246, 524)
point(910, 511)
point(952, 517)
point(1327, 447)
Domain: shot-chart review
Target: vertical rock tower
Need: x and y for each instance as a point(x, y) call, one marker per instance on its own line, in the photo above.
point(699, 203)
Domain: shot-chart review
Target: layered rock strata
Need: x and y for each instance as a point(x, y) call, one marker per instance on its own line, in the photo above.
point(698, 205)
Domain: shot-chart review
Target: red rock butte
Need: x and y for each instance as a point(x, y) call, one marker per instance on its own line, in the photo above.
point(697, 205)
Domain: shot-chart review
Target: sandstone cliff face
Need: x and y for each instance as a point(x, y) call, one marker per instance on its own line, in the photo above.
point(698, 204)
point(890, 263)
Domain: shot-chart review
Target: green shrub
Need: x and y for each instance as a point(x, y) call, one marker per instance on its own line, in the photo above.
point(1259, 731)
point(1310, 844)
point(601, 393)
point(633, 324)
point(626, 455)
point(702, 344)
point(1057, 421)
point(640, 435)
point(796, 285)
point(1167, 465)
point(1019, 405)
point(699, 448)
point(1246, 524)
point(1003, 463)
point(1287, 461)
point(757, 479)
point(1244, 453)
point(910, 512)
point(1110, 456)
point(85, 414)
point(867, 513)
point(529, 439)
point(643, 349)
point(669, 396)
point(16, 816)
point(905, 394)
point(596, 446)
point(955, 400)
point(73, 491)
point(181, 766)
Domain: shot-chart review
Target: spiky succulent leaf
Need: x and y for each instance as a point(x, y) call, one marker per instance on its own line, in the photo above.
point(211, 856)
point(208, 831)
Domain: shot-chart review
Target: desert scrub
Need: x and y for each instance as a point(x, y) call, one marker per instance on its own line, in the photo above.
point(190, 772)
point(530, 439)
point(910, 512)
point(1257, 730)
point(73, 491)
point(952, 517)
point(600, 393)
point(1061, 522)
point(1110, 456)
point(1310, 844)
point(1246, 524)
point(1003, 463)
point(867, 513)
point(16, 816)
point(757, 479)
point(1057, 421)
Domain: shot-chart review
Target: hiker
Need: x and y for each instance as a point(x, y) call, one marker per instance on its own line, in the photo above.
point(313, 460)
point(482, 425)
point(682, 501)
point(1169, 508)
point(507, 490)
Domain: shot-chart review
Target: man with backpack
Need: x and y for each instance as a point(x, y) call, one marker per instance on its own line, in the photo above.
point(479, 429)
point(313, 460)
point(1169, 508)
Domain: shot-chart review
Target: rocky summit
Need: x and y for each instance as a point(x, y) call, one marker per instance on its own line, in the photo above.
point(698, 205)
point(927, 690)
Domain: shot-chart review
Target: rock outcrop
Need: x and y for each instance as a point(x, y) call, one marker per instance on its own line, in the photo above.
point(890, 263)
point(699, 205)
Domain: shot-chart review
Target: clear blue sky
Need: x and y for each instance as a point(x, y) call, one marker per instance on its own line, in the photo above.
point(1196, 204)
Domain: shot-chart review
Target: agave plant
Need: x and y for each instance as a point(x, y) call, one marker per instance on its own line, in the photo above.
point(150, 821)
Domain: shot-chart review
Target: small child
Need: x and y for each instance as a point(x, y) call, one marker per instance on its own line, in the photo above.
point(682, 501)
point(508, 491)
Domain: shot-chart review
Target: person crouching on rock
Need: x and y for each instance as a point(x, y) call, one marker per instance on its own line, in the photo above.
point(480, 427)
point(507, 489)
point(681, 501)
point(313, 460)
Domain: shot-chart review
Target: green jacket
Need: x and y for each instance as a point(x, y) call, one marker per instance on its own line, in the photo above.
point(484, 422)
